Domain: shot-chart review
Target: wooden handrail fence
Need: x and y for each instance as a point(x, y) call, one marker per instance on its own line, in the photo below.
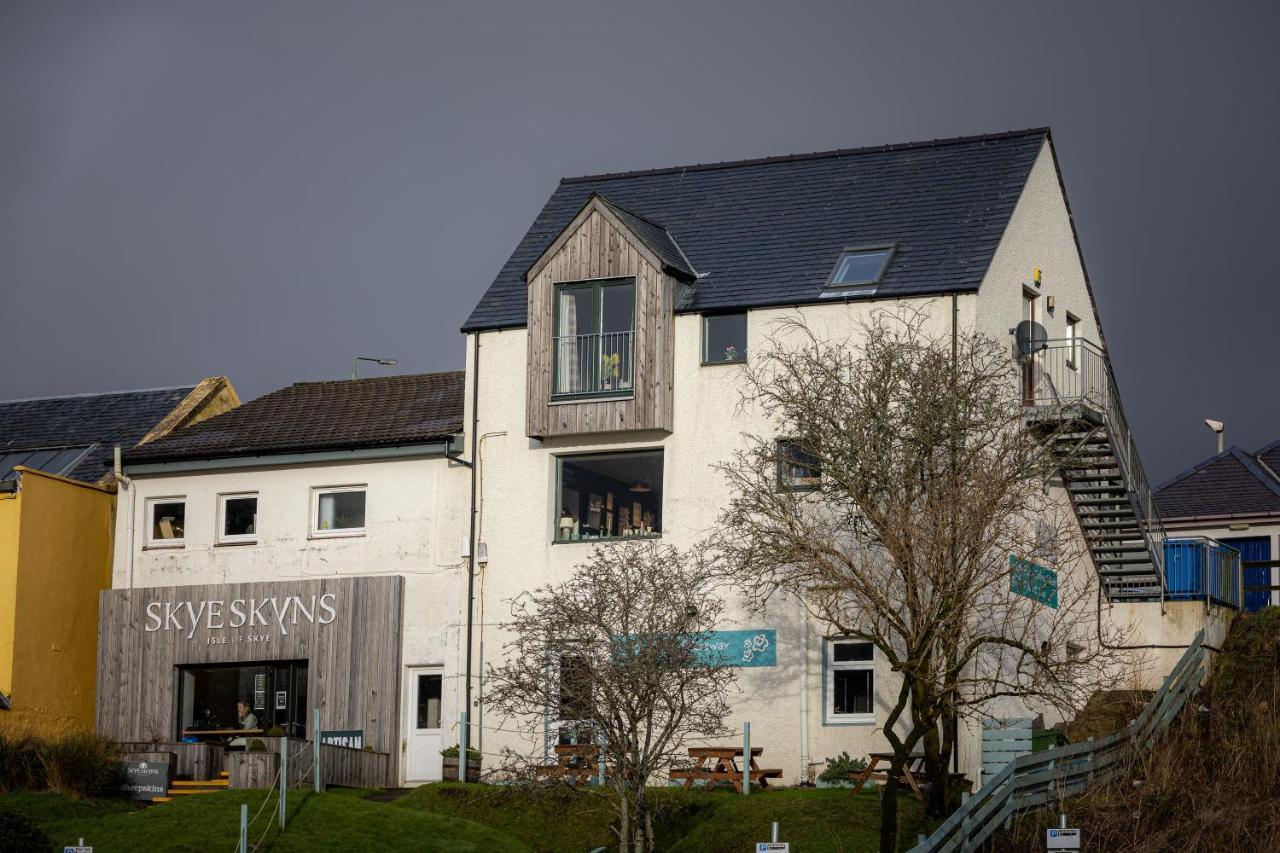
point(1035, 780)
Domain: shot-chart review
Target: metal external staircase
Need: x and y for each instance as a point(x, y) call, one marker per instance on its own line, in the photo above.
point(1071, 394)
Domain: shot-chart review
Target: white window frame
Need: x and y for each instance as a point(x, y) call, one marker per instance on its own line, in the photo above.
point(224, 538)
point(314, 524)
point(150, 521)
point(1073, 337)
point(829, 700)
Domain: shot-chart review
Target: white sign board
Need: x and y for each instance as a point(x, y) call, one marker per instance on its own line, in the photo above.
point(77, 850)
point(773, 847)
point(1062, 839)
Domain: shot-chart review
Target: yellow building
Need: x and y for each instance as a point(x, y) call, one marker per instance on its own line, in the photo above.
point(57, 515)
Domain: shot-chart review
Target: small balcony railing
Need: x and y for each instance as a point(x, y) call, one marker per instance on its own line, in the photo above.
point(1199, 568)
point(1073, 375)
point(593, 365)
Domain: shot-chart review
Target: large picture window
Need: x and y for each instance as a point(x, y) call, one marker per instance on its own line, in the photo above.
point(594, 338)
point(609, 496)
point(850, 686)
point(215, 702)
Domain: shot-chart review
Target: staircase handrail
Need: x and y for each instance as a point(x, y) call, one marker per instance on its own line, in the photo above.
point(1097, 387)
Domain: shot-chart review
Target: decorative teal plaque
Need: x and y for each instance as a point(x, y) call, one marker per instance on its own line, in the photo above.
point(1033, 581)
point(753, 647)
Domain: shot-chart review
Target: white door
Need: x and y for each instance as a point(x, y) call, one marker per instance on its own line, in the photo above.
point(426, 737)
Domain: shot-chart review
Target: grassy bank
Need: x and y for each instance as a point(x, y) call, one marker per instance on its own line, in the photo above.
point(456, 817)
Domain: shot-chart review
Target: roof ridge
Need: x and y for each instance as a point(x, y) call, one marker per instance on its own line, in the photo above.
point(369, 379)
point(1247, 460)
point(87, 394)
point(815, 155)
point(629, 211)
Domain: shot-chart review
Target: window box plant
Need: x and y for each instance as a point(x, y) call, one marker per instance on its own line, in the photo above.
point(451, 764)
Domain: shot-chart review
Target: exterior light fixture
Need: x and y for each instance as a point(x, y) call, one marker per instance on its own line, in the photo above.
point(1218, 427)
point(385, 362)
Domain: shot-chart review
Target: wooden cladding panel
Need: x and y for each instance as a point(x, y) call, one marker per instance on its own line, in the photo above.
point(600, 248)
point(353, 662)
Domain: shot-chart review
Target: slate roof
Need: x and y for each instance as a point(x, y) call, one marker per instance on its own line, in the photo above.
point(385, 411)
point(658, 239)
point(95, 421)
point(1270, 455)
point(769, 232)
point(1231, 483)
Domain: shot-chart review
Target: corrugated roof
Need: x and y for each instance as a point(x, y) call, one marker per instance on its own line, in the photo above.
point(1228, 483)
point(769, 232)
point(385, 411)
point(104, 420)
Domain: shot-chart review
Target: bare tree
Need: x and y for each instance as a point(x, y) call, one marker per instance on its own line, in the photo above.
point(925, 505)
point(619, 655)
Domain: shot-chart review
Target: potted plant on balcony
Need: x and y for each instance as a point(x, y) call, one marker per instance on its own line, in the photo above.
point(451, 764)
point(609, 370)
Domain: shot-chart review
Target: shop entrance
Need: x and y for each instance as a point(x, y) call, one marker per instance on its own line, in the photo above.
point(222, 700)
point(426, 736)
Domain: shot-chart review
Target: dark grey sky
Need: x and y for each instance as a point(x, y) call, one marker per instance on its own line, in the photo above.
point(266, 189)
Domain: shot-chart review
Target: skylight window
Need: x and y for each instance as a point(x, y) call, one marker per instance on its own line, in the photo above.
point(858, 271)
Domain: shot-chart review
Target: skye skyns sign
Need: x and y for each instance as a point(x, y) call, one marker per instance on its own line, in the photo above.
point(269, 614)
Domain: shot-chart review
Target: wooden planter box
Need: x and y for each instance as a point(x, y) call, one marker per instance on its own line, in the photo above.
point(451, 769)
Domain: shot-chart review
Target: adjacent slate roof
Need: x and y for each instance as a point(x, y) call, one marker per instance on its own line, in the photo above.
point(95, 421)
point(769, 232)
point(1231, 483)
point(309, 416)
point(657, 238)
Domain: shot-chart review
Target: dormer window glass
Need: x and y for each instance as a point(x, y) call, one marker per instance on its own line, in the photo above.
point(858, 271)
point(594, 339)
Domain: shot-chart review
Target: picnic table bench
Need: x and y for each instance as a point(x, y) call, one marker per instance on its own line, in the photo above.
point(912, 772)
point(715, 764)
point(575, 763)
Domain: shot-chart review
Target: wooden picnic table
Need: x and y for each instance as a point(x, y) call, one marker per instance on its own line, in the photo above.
point(715, 764)
point(576, 763)
point(912, 772)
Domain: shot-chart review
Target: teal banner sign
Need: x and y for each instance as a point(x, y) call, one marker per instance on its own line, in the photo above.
point(1033, 581)
point(755, 647)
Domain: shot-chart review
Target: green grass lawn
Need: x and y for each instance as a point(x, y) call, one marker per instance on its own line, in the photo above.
point(455, 817)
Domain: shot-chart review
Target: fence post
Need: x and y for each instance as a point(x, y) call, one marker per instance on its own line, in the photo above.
point(284, 775)
point(464, 743)
point(746, 759)
point(964, 823)
point(244, 829)
point(316, 785)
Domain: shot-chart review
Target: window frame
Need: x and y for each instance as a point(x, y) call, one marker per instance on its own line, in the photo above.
point(854, 288)
point(557, 492)
point(314, 531)
point(1073, 338)
point(597, 286)
point(830, 668)
point(706, 318)
point(221, 537)
point(785, 483)
point(150, 541)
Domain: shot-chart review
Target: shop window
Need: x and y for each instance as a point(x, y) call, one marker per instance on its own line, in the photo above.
point(850, 682)
point(724, 338)
point(237, 518)
point(338, 511)
point(254, 698)
point(798, 469)
point(167, 520)
point(609, 496)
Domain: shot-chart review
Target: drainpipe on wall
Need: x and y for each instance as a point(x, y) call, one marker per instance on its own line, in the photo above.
point(123, 482)
point(471, 541)
point(804, 696)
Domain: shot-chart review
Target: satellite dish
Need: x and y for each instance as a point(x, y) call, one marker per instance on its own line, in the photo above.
point(1030, 337)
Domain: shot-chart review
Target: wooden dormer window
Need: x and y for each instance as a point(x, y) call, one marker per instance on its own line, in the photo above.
point(593, 344)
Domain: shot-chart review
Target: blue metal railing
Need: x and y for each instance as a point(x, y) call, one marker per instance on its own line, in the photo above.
point(1198, 568)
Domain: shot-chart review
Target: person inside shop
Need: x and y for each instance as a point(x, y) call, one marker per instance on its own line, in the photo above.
point(248, 720)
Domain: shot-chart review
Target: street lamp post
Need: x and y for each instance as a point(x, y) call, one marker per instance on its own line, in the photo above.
point(386, 362)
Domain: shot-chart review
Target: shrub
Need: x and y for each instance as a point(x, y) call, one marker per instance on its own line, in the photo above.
point(452, 752)
point(275, 731)
point(839, 768)
point(19, 835)
point(19, 761)
point(256, 745)
point(81, 765)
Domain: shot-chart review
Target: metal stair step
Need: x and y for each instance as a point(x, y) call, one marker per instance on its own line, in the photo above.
point(1118, 501)
point(1098, 490)
point(1121, 549)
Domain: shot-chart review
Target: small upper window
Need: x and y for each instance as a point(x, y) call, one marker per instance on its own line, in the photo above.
point(1073, 341)
point(338, 511)
point(168, 520)
point(724, 339)
point(798, 469)
point(237, 518)
point(858, 267)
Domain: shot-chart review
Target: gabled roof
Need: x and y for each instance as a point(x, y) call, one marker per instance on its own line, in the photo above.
point(386, 411)
point(657, 238)
point(1270, 456)
point(1230, 483)
point(769, 232)
point(78, 433)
